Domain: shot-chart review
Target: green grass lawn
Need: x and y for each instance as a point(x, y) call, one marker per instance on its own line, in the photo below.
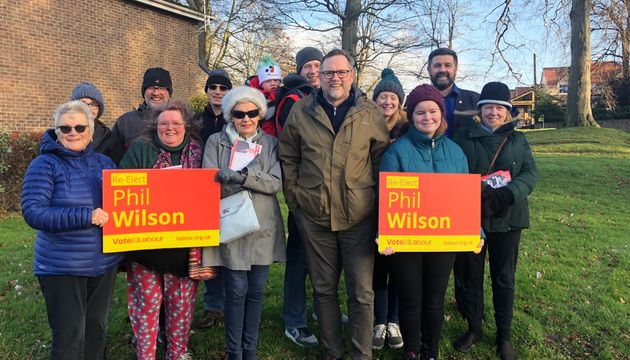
point(573, 278)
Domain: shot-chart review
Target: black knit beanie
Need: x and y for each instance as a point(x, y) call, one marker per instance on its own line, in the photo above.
point(157, 77)
point(389, 82)
point(218, 76)
point(305, 55)
point(495, 93)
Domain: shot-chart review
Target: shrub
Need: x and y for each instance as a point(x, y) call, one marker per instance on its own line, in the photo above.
point(198, 102)
point(16, 152)
point(546, 105)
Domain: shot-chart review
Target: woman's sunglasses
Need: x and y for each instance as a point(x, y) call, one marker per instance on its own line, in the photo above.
point(241, 114)
point(214, 87)
point(67, 129)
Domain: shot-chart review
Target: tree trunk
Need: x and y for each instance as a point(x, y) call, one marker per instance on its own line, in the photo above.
point(350, 27)
point(625, 43)
point(579, 112)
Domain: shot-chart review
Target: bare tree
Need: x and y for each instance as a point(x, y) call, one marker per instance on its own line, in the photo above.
point(611, 23)
point(369, 30)
point(579, 112)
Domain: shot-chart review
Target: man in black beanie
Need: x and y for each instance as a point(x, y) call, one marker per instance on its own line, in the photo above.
point(294, 308)
point(211, 118)
point(156, 90)
point(460, 104)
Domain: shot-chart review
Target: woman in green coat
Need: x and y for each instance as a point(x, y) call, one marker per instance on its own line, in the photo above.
point(492, 146)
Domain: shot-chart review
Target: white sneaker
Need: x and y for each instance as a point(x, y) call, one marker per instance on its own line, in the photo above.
point(378, 337)
point(394, 337)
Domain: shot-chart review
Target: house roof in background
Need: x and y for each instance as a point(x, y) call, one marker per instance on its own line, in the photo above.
point(601, 72)
point(173, 8)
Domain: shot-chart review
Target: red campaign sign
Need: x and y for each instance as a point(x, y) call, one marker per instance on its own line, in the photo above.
point(429, 211)
point(159, 208)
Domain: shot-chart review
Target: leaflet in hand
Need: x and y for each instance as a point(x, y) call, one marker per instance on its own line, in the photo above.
point(243, 153)
point(497, 179)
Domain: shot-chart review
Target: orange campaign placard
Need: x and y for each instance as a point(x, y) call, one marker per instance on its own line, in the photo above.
point(429, 212)
point(160, 209)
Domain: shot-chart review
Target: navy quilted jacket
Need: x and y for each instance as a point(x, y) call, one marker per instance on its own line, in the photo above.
point(61, 188)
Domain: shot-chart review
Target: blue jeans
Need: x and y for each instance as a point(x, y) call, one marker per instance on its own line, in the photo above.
point(295, 272)
point(385, 294)
point(214, 295)
point(243, 308)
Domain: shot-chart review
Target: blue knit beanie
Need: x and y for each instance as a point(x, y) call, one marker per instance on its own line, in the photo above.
point(88, 90)
point(389, 82)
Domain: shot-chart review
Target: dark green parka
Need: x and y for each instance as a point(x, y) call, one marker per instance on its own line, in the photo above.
point(479, 146)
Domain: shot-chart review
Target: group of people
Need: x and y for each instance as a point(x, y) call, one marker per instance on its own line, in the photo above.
point(323, 143)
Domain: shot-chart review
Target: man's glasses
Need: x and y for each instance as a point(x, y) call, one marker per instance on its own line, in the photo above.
point(66, 129)
point(221, 87)
point(241, 114)
point(159, 89)
point(329, 74)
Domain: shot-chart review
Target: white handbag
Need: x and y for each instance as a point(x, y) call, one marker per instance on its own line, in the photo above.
point(238, 217)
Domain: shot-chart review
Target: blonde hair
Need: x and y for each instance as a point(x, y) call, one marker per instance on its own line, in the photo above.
point(508, 117)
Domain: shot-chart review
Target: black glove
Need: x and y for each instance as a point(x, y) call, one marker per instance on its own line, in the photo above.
point(226, 176)
point(496, 200)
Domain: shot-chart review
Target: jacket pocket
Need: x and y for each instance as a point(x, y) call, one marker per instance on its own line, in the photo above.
point(360, 198)
point(311, 198)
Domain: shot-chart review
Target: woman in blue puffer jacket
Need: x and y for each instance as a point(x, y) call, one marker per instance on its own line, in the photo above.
point(421, 278)
point(61, 198)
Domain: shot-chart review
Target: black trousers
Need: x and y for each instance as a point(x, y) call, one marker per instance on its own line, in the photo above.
point(77, 308)
point(421, 280)
point(469, 276)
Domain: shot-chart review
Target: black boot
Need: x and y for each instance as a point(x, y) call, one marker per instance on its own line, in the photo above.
point(466, 341)
point(505, 350)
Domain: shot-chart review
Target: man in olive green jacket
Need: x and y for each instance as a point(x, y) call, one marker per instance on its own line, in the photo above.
point(330, 149)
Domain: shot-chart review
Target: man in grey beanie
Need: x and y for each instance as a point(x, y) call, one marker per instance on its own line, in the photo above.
point(102, 140)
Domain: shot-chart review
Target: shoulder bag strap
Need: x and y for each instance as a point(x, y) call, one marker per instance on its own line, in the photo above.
point(496, 155)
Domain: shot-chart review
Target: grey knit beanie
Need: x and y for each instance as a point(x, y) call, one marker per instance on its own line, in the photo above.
point(389, 82)
point(305, 55)
point(243, 94)
point(88, 90)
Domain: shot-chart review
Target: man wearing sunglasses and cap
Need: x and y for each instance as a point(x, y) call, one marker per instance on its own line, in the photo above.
point(157, 90)
point(211, 121)
point(211, 118)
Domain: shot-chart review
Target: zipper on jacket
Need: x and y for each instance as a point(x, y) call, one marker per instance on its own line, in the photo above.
point(433, 143)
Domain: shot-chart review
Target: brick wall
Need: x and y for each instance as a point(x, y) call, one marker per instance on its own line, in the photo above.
point(48, 46)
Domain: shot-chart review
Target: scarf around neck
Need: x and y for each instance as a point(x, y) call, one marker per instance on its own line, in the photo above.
point(189, 149)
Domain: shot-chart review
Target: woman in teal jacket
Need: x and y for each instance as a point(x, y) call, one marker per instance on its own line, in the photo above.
point(504, 214)
point(421, 278)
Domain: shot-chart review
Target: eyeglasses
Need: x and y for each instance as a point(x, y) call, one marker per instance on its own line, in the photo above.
point(160, 89)
point(329, 74)
point(66, 129)
point(163, 125)
point(241, 114)
point(221, 87)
